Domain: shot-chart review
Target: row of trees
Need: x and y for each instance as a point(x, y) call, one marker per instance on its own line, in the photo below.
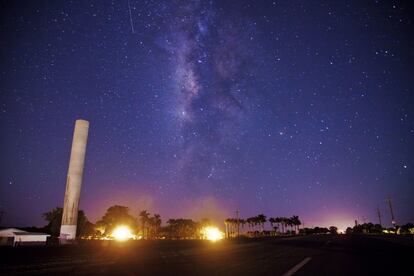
point(146, 225)
point(256, 224)
point(54, 219)
point(370, 228)
point(319, 230)
point(184, 228)
point(366, 228)
point(149, 226)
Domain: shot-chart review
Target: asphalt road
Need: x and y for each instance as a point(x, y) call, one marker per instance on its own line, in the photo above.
point(313, 255)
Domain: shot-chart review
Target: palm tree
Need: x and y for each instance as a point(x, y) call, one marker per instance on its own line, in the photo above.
point(296, 222)
point(156, 222)
point(285, 222)
point(234, 223)
point(250, 223)
point(231, 226)
point(261, 220)
point(242, 222)
point(239, 223)
point(144, 218)
point(271, 220)
point(226, 224)
point(290, 223)
point(255, 223)
point(285, 225)
point(279, 220)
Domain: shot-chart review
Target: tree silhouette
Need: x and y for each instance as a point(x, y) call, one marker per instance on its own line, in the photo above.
point(333, 230)
point(296, 222)
point(114, 216)
point(261, 220)
point(144, 218)
point(182, 229)
point(54, 219)
point(155, 223)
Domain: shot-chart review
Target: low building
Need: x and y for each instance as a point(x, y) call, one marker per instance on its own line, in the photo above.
point(15, 237)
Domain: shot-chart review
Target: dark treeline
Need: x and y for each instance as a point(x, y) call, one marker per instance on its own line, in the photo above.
point(319, 230)
point(145, 225)
point(370, 228)
point(255, 226)
point(148, 226)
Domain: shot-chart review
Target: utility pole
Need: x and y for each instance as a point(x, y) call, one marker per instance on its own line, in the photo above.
point(1, 215)
point(379, 216)
point(238, 222)
point(392, 212)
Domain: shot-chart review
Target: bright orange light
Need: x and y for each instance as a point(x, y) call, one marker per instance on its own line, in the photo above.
point(212, 233)
point(122, 233)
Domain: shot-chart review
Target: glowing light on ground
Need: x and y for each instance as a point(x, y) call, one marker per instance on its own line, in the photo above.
point(122, 233)
point(212, 233)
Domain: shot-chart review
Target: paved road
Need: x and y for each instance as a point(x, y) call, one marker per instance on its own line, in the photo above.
point(315, 255)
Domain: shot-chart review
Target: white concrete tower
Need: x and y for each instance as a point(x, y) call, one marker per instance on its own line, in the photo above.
point(74, 180)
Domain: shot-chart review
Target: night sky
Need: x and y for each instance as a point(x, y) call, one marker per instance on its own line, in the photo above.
point(200, 108)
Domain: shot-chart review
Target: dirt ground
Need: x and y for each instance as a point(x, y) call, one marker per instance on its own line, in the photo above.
point(312, 255)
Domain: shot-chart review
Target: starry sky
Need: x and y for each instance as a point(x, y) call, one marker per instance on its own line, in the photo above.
point(200, 108)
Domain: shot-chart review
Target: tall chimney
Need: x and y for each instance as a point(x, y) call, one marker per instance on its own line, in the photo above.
point(74, 180)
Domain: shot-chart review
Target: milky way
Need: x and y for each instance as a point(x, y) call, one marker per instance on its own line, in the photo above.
point(212, 61)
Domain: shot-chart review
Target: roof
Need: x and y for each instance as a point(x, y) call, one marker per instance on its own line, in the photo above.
point(30, 234)
point(11, 230)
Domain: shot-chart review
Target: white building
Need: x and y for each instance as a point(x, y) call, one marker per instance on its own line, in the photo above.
point(14, 236)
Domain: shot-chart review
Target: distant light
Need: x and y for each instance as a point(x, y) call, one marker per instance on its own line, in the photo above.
point(212, 233)
point(122, 233)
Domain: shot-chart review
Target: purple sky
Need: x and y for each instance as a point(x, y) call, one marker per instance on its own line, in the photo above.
point(199, 108)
